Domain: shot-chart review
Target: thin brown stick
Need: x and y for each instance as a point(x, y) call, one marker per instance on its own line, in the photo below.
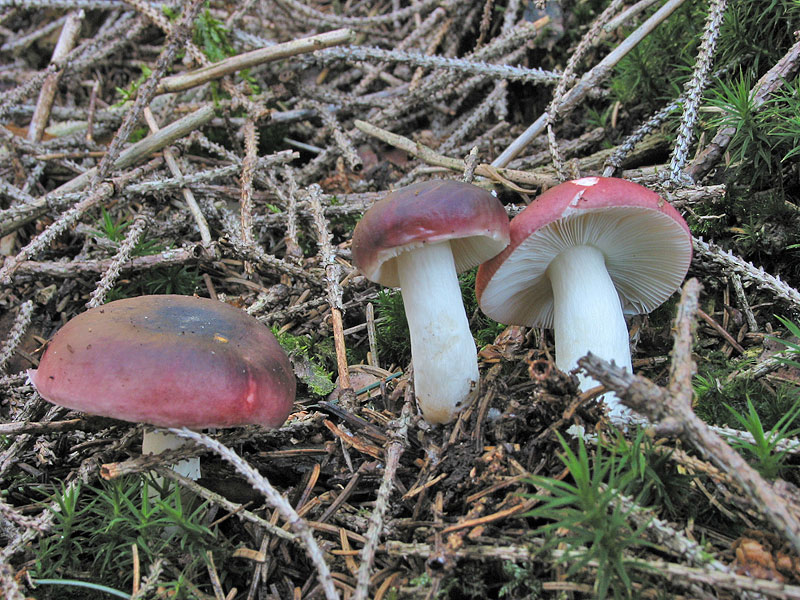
point(188, 196)
point(47, 93)
point(98, 195)
point(127, 158)
point(393, 451)
point(246, 192)
point(332, 283)
point(177, 83)
point(507, 177)
point(276, 500)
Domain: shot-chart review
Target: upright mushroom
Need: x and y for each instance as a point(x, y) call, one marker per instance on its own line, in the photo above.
point(581, 255)
point(170, 361)
point(418, 238)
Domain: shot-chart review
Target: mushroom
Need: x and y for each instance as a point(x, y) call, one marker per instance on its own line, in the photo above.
point(170, 361)
point(418, 238)
point(581, 255)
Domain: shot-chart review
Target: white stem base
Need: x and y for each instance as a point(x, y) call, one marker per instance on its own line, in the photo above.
point(588, 315)
point(442, 347)
point(155, 442)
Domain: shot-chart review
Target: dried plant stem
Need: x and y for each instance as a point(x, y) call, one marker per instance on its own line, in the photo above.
point(293, 250)
point(470, 162)
point(144, 94)
point(16, 519)
point(60, 270)
point(15, 335)
point(476, 117)
point(22, 427)
point(24, 41)
point(553, 110)
point(15, 193)
point(177, 83)
point(731, 263)
point(135, 153)
point(232, 507)
point(151, 581)
point(670, 571)
point(343, 143)
point(393, 451)
point(441, 81)
point(188, 196)
point(66, 42)
point(100, 193)
point(257, 255)
point(588, 82)
point(332, 276)
point(769, 83)
point(741, 297)
point(8, 583)
point(507, 177)
point(276, 500)
point(695, 89)
point(614, 161)
point(149, 145)
point(123, 256)
point(665, 534)
point(458, 65)
point(671, 409)
point(246, 182)
point(301, 9)
point(11, 97)
point(372, 336)
point(417, 33)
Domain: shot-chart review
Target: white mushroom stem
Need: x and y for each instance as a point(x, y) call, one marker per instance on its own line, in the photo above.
point(442, 347)
point(155, 442)
point(587, 315)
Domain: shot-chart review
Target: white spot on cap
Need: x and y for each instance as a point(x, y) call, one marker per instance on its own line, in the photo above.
point(586, 181)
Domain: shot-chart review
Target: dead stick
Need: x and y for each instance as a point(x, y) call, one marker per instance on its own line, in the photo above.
point(671, 408)
point(588, 82)
point(230, 65)
point(20, 427)
point(721, 330)
point(47, 93)
point(394, 450)
point(332, 273)
point(246, 188)
point(507, 177)
point(175, 169)
point(769, 83)
point(135, 153)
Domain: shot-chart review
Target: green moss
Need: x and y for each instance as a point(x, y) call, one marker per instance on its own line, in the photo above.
point(655, 70)
point(97, 526)
point(713, 392)
point(311, 358)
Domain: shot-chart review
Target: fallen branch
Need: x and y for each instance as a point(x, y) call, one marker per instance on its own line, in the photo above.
point(177, 83)
point(671, 410)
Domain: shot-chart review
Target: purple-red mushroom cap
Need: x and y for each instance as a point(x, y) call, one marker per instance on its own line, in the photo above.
point(170, 361)
point(419, 238)
point(646, 244)
point(581, 256)
point(470, 218)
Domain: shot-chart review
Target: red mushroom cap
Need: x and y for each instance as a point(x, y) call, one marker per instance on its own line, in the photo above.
point(646, 243)
point(472, 219)
point(171, 361)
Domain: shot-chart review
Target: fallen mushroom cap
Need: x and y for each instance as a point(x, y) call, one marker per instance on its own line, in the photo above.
point(171, 361)
point(470, 218)
point(645, 242)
